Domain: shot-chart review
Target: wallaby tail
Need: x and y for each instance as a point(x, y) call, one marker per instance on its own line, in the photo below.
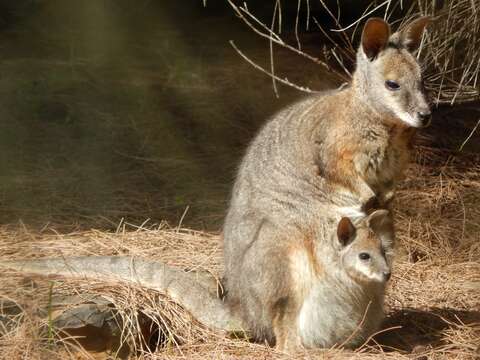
point(196, 292)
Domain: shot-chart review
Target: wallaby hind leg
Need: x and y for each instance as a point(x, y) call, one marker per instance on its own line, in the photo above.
point(262, 287)
point(285, 327)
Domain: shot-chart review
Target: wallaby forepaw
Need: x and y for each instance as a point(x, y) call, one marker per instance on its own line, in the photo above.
point(370, 205)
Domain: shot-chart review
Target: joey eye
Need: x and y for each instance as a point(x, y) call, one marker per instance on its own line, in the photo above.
point(364, 256)
point(392, 85)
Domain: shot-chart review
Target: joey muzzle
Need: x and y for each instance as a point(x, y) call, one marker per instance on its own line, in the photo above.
point(387, 275)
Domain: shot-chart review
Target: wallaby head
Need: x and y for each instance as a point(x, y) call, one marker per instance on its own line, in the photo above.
point(388, 76)
point(366, 248)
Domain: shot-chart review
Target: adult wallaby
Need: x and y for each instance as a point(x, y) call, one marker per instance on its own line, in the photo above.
point(341, 152)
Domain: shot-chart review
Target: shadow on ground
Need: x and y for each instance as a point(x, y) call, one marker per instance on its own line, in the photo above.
point(420, 329)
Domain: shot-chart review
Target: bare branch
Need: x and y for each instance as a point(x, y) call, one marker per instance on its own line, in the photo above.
point(284, 81)
point(243, 13)
point(272, 68)
point(450, 53)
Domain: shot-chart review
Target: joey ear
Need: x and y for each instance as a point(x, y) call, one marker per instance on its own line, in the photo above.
point(345, 231)
point(375, 37)
point(411, 35)
point(379, 218)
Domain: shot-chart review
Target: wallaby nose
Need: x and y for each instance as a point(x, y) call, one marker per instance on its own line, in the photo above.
point(425, 117)
point(387, 275)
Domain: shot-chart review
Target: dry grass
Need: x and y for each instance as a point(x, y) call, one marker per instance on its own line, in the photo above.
point(450, 53)
point(433, 301)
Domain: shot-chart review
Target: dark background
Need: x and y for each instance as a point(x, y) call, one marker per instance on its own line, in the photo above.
point(135, 109)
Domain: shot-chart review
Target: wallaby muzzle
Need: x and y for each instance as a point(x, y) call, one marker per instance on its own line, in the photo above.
point(425, 118)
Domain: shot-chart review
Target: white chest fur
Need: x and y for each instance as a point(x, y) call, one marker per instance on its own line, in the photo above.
point(338, 311)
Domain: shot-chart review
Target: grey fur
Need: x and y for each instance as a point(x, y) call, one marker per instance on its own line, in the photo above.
point(289, 183)
point(196, 292)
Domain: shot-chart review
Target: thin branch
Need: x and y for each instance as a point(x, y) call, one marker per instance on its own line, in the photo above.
point(469, 136)
point(270, 35)
point(452, 76)
point(332, 51)
point(284, 81)
point(362, 17)
point(270, 43)
point(346, 39)
point(299, 46)
point(307, 26)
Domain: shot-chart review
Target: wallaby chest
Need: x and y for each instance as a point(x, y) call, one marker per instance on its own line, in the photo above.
point(382, 156)
point(359, 150)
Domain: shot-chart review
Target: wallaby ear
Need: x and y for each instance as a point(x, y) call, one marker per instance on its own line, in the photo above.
point(411, 35)
point(379, 218)
point(375, 37)
point(345, 231)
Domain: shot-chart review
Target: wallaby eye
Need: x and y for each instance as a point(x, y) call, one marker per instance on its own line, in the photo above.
point(364, 256)
point(392, 85)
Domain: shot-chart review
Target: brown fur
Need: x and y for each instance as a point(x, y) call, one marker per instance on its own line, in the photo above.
point(286, 309)
point(345, 155)
point(310, 249)
point(285, 313)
